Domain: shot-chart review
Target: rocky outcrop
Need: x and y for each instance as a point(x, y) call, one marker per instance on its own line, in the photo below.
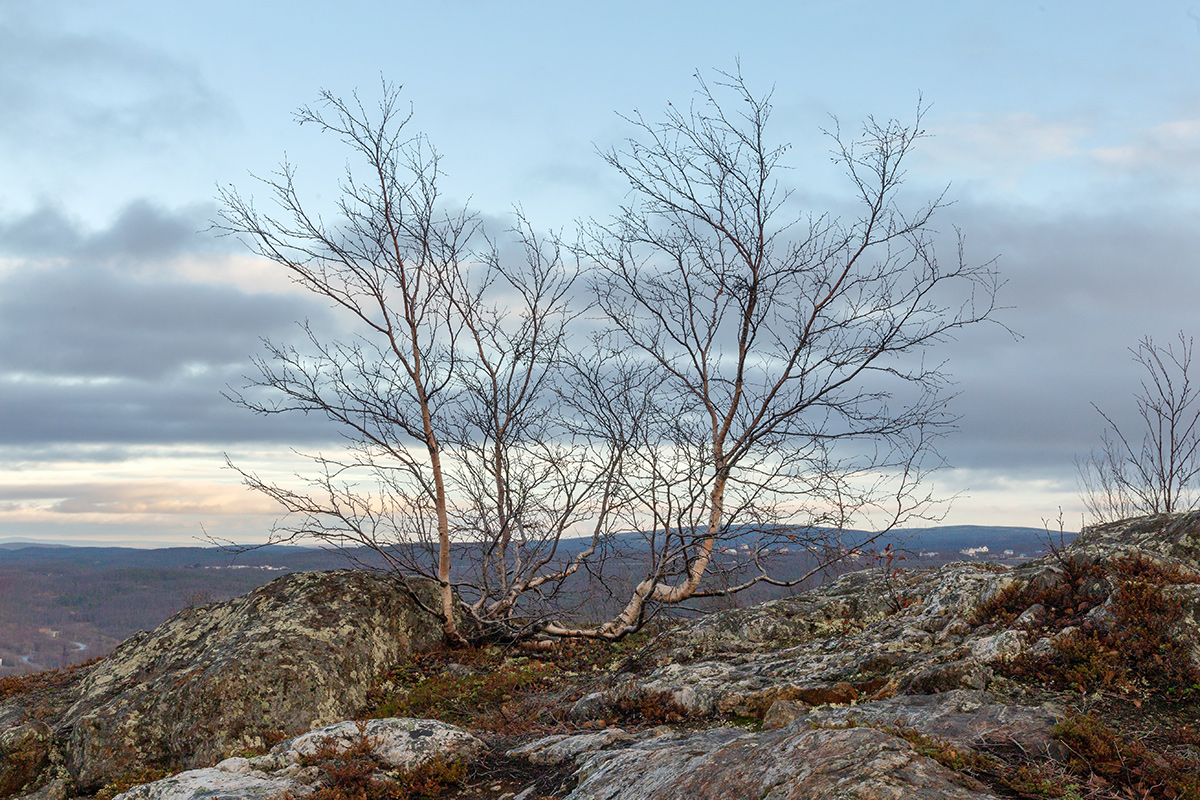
point(868, 635)
point(219, 679)
point(874, 634)
point(834, 674)
point(785, 764)
point(863, 688)
point(1171, 538)
point(839, 751)
point(561, 748)
point(398, 746)
point(25, 753)
point(965, 718)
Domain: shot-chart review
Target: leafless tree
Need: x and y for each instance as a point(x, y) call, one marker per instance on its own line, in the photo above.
point(785, 351)
point(445, 393)
point(1159, 472)
point(751, 381)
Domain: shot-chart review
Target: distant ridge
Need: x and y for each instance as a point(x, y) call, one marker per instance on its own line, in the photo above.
point(13, 553)
point(956, 537)
point(18, 544)
point(946, 537)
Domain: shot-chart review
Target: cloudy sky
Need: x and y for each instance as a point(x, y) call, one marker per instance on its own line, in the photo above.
point(1068, 133)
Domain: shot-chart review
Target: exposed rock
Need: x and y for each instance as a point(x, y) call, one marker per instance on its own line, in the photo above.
point(57, 788)
point(398, 742)
point(969, 673)
point(215, 680)
point(1004, 644)
point(785, 764)
point(962, 717)
point(1173, 538)
point(404, 744)
point(561, 748)
point(872, 634)
point(926, 646)
point(24, 754)
point(872, 649)
point(784, 712)
point(225, 781)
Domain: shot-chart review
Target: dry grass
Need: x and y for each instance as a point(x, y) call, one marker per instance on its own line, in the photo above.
point(44, 681)
point(1134, 652)
point(1135, 685)
point(1105, 759)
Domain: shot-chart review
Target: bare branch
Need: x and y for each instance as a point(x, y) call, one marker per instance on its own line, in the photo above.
point(1159, 473)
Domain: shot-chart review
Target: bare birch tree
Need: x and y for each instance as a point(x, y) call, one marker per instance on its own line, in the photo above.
point(752, 374)
point(791, 398)
point(1157, 473)
point(446, 392)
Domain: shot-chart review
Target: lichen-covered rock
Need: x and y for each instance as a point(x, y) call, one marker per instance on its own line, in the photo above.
point(916, 637)
point(962, 717)
point(214, 680)
point(403, 744)
point(784, 712)
point(560, 748)
point(56, 788)
point(25, 752)
point(786, 764)
point(778, 624)
point(875, 633)
point(30, 753)
point(1165, 537)
point(224, 781)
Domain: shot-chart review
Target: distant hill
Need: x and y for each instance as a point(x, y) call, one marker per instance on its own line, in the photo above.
point(945, 538)
point(958, 537)
point(298, 558)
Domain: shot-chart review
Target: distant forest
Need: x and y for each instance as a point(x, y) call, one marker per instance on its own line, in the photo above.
point(63, 605)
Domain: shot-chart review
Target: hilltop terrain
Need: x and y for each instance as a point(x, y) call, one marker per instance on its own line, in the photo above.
point(1075, 675)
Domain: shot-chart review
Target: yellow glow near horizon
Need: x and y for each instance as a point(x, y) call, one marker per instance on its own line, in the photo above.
point(151, 496)
point(161, 496)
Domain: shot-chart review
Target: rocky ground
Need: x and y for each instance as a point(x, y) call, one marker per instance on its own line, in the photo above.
point(1075, 676)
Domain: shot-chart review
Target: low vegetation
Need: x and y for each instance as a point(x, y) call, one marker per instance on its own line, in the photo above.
point(1124, 762)
point(353, 772)
point(48, 680)
point(1110, 640)
point(1111, 629)
point(476, 686)
point(1101, 764)
point(129, 780)
point(509, 692)
point(45, 693)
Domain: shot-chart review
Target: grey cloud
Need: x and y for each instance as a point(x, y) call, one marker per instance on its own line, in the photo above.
point(46, 231)
point(1082, 290)
point(109, 355)
point(141, 231)
point(40, 415)
point(144, 230)
point(101, 342)
point(84, 320)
